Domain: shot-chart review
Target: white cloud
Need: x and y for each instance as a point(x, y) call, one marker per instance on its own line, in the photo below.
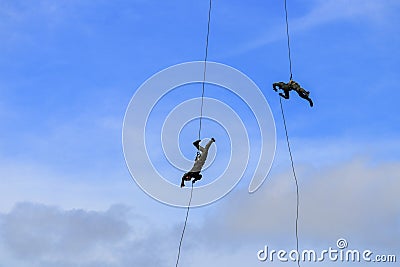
point(353, 198)
point(358, 200)
point(38, 232)
point(40, 235)
point(326, 11)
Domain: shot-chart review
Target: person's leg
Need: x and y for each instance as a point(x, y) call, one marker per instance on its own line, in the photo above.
point(212, 140)
point(202, 149)
point(304, 94)
point(310, 101)
point(207, 147)
point(307, 93)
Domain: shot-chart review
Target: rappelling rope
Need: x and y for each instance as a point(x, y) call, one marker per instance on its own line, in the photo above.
point(201, 117)
point(205, 67)
point(288, 41)
point(295, 179)
point(184, 227)
point(287, 136)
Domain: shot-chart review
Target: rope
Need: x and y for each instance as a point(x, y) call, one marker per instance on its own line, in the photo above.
point(205, 66)
point(201, 116)
point(184, 227)
point(288, 42)
point(295, 179)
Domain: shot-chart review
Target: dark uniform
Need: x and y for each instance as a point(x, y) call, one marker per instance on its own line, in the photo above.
point(292, 85)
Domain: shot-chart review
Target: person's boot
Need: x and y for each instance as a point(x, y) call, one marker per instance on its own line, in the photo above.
point(196, 144)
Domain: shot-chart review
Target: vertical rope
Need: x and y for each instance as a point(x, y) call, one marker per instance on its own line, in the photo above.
point(184, 227)
point(288, 42)
point(205, 68)
point(295, 178)
point(201, 117)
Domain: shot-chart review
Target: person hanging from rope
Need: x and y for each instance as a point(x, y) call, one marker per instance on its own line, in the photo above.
point(292, 85)
point(198, 163)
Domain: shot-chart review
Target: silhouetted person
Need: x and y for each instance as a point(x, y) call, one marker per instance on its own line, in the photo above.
point(198, 163)
point(292, 85)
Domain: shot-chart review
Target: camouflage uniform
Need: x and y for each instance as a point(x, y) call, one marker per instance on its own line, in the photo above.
point(198, 163)
point(292, 85)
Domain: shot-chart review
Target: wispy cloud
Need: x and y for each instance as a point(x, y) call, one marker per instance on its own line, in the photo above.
point(342, 10)
point(323, 12)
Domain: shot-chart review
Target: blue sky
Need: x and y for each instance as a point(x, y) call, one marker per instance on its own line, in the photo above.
point(68, 70)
